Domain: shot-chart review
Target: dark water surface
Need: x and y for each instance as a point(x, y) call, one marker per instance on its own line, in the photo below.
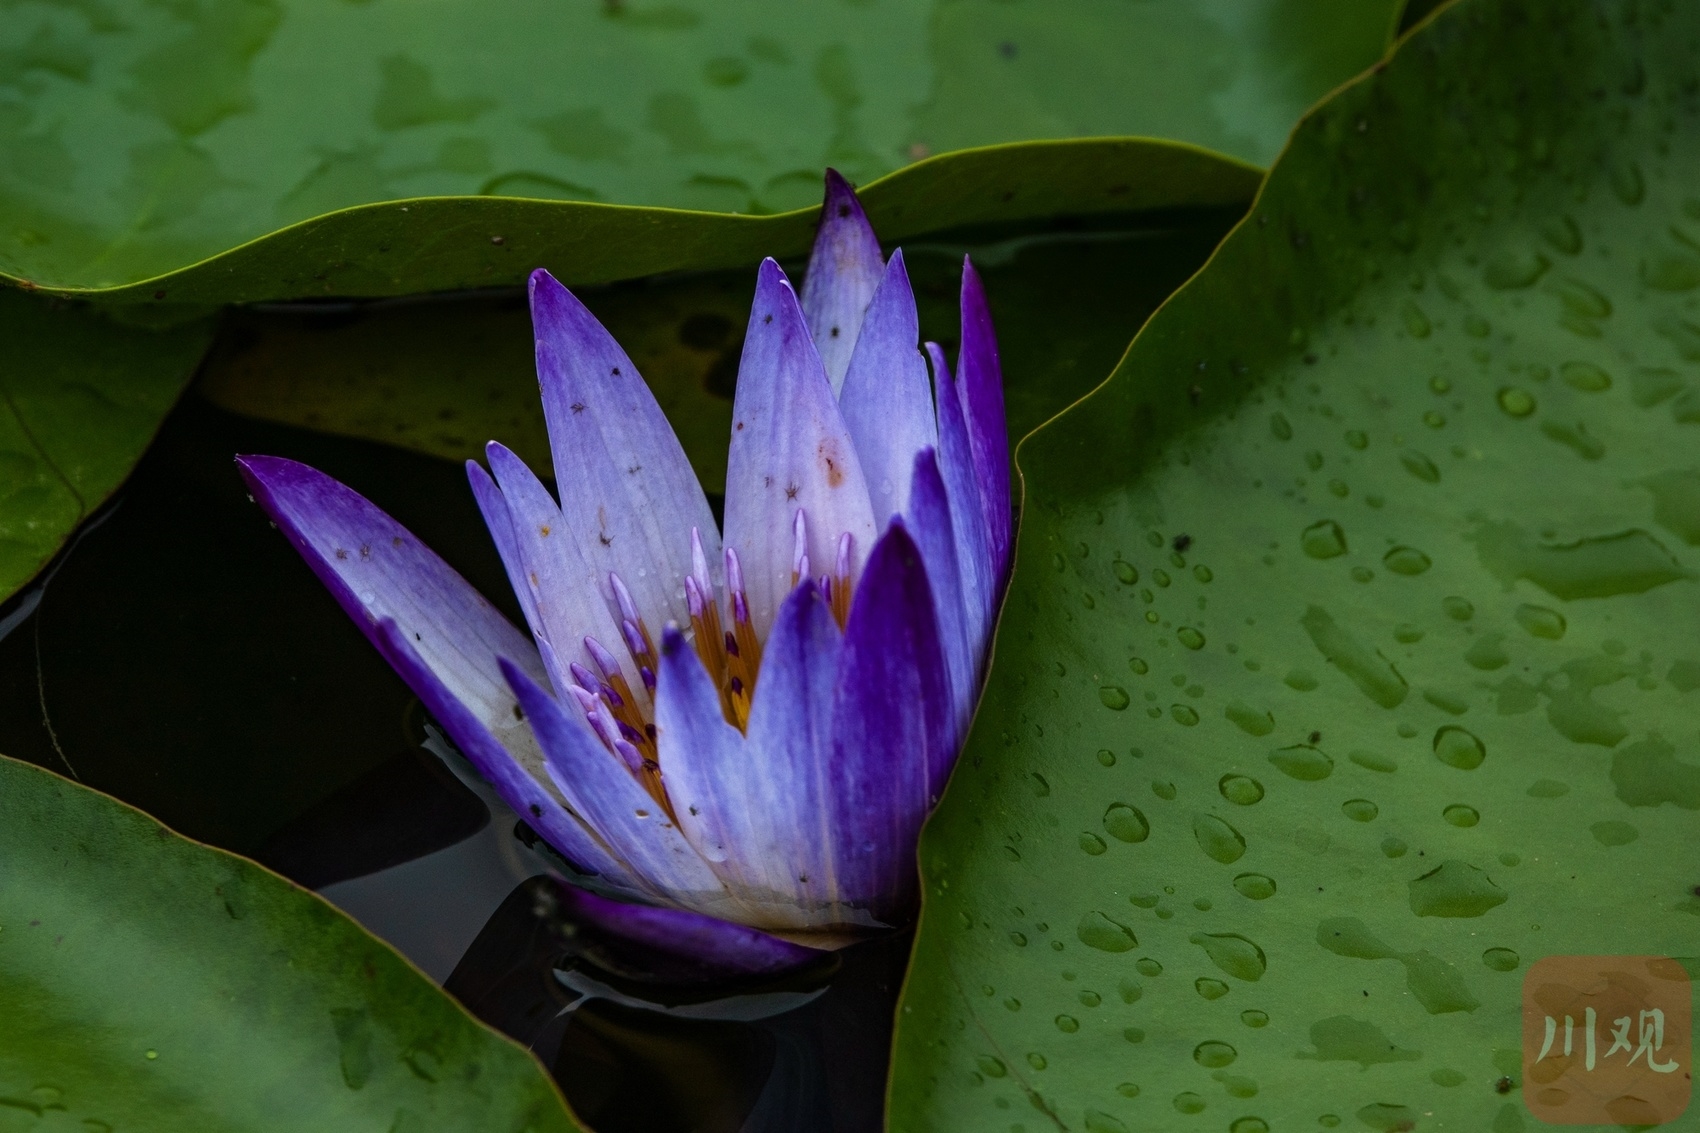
point(181, 657)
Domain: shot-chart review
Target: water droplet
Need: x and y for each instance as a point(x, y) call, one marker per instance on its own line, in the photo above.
point(1128, 1090)
point(1037, 1061)
point(1106, 757)
point(1041, 786)
point(1359, 810)
point(1487, 654)
point(1501, 959)
point(1138, 665)
point(1126, 823)
point(1393, 847)
point(1300, 680)
point(1134, 1034)
point(1092, 844)
point(1097, 1121)
point(1458, 747)
point(1303, 762)
point(1373, 761)
point(1184, 714)
point(1067, 1024)
point(1585, 376)
point(1407, 634)
point(1614, 833)
point(1126, 573)
point(1454, 889)
point(1254, 1018)
point(1434, 419)
point(1089, 998)
point(1446, 1077)
point(1217, 839)
point(1115, 697)
point(1406, 561)
point(1627, 182)
point(1416, 322)
point(1249, 719)
point(1233, 954)
point(1160, 577)
point(1357, 439)
point(1280, 427)
point(1213, 1054)
point(1242, 790)
point(1209, 988)
point(1362, 574)
point(1129, 991)
point(991, 1067)
point(1562, 233)
point(1329, 1121)
point(1458, 609)
point(1538, 621)
point(1190, 637)
point(1012, 1004)
point(1462, 816)
point(1149, 967)
point(1323, 540)
point(1514, 268)
point(1420, 466)
point(1255, 886)
point(1098, 931)
point(1189, 1103)
point(1019, 939)
point(1163, 790)
point(1547, 789)
point(1516, 402)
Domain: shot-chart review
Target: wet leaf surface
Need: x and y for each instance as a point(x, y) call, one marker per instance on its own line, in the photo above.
point(141, 139)
point(1368, 581)
point(153, 983)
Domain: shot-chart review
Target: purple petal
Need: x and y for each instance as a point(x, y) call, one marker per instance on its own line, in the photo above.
point(790, 452)
point(844, 269)
point(696, 747)
point(930, 526)
point(694, 947)
point(508, 758)
point(886, 401)
point(564, 588)
point(431, 625)
point(967, 517)
point(768, 801)
point(500, 524)
point(599, 788)
point(980, 381)
point(627, 490)
point(891, 726)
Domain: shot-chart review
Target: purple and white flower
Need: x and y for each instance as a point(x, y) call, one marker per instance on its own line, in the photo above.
point(744, 726)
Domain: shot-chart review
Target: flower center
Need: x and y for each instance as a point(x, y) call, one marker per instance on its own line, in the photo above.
point(731, 657)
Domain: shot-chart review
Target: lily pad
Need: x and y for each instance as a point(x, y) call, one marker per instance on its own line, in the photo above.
point(144, 138)
point(155, 984)
point(1341, 359)
point(80, 398)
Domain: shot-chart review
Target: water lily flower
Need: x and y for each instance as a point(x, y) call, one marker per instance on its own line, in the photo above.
point(737, 732)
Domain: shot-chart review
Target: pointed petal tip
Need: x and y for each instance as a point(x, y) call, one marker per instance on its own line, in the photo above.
point(542, 278)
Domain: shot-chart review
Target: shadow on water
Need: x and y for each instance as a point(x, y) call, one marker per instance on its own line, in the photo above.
point(180, 656)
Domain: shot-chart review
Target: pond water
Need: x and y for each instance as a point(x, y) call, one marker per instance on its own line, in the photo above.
point(179, 656)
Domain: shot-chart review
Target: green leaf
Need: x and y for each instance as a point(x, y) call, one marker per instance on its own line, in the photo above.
point(416, 245)
point(148, 137)
point(444, 376)
point(80, 398)
point(153, 983)
point(1370, 595)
